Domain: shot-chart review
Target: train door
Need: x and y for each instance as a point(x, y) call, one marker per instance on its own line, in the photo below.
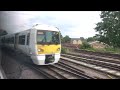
point(16, 41)
point(27, 43)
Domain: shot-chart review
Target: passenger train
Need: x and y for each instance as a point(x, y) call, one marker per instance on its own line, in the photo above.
point(41, 42)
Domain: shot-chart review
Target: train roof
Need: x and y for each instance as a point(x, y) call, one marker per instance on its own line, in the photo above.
point(38, 27)
point(45, 27)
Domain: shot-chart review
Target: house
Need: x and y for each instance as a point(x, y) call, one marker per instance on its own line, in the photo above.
point(76, 41)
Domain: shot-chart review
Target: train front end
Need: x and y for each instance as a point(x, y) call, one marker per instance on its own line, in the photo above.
point(48, 47)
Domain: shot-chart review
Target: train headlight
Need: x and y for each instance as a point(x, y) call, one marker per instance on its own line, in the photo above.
point(58, 49)
point(40, 50)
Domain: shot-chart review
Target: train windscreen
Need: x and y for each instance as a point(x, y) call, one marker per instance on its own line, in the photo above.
point(48, 37)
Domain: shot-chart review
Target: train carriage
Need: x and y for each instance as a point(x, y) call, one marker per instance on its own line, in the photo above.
point(41, 42)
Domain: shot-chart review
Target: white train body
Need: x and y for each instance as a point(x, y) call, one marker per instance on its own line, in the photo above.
point(41, 42)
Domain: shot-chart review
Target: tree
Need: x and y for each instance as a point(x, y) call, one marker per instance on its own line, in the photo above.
point(61, 37)
point(82, 38)
point(109, 28)
point(66, 39)
point(94, 38)
point(90, 39)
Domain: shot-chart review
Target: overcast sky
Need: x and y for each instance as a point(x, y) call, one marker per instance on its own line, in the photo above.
point(73, 23)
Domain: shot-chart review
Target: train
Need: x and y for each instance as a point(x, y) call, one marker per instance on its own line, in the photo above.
point(41, 43)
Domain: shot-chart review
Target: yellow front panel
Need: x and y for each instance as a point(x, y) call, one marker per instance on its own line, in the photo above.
point(48, 49)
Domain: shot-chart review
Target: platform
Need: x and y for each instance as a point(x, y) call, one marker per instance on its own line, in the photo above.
point(2, 74)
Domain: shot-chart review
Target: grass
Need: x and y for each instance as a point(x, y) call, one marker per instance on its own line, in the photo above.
point(86, 46)
point(107, 50)
point(64, 50)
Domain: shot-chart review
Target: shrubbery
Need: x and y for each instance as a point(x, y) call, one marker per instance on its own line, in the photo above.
point(64, 50)
point(85, 45)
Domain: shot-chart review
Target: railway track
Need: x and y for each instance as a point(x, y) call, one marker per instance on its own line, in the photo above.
point(99, 58)
point(103, 54)
point(47, 75)
point(105, 64)
point(110, 55)
point(89, 65)
point(57, 71)
point(74, 70)
point(61, 71)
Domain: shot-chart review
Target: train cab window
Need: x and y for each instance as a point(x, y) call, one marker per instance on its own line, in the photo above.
point(22, 40)
point(40, 37)
point(28, 38)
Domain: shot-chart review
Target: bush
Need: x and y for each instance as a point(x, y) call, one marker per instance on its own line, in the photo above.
point(112, 50)
point(64, 50)
point(85, 45)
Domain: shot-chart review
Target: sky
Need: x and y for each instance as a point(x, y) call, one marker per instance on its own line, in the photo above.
point(75, 24)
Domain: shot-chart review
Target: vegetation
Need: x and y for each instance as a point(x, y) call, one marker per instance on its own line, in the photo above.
point(108, 33)
point(85, 45)
point(94, 38)
point(107, 50)
point(61, 37)
point(64, 50)
point(65, 39)
point(109, 28)
point(82, 38)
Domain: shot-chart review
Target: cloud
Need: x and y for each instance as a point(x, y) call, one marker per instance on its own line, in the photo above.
point(72, 23)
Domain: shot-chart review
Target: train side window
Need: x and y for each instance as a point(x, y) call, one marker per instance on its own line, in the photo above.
point(28, 38)
point(2, 40)
point(12, 40)
point(7, 41)
point(22, 40)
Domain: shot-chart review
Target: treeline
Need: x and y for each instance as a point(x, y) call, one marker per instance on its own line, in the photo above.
point(67, 39)
point(109, 28)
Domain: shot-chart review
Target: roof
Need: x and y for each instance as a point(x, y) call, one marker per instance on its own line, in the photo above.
point(94, 42)
point(45, 27)
point(75, 39)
